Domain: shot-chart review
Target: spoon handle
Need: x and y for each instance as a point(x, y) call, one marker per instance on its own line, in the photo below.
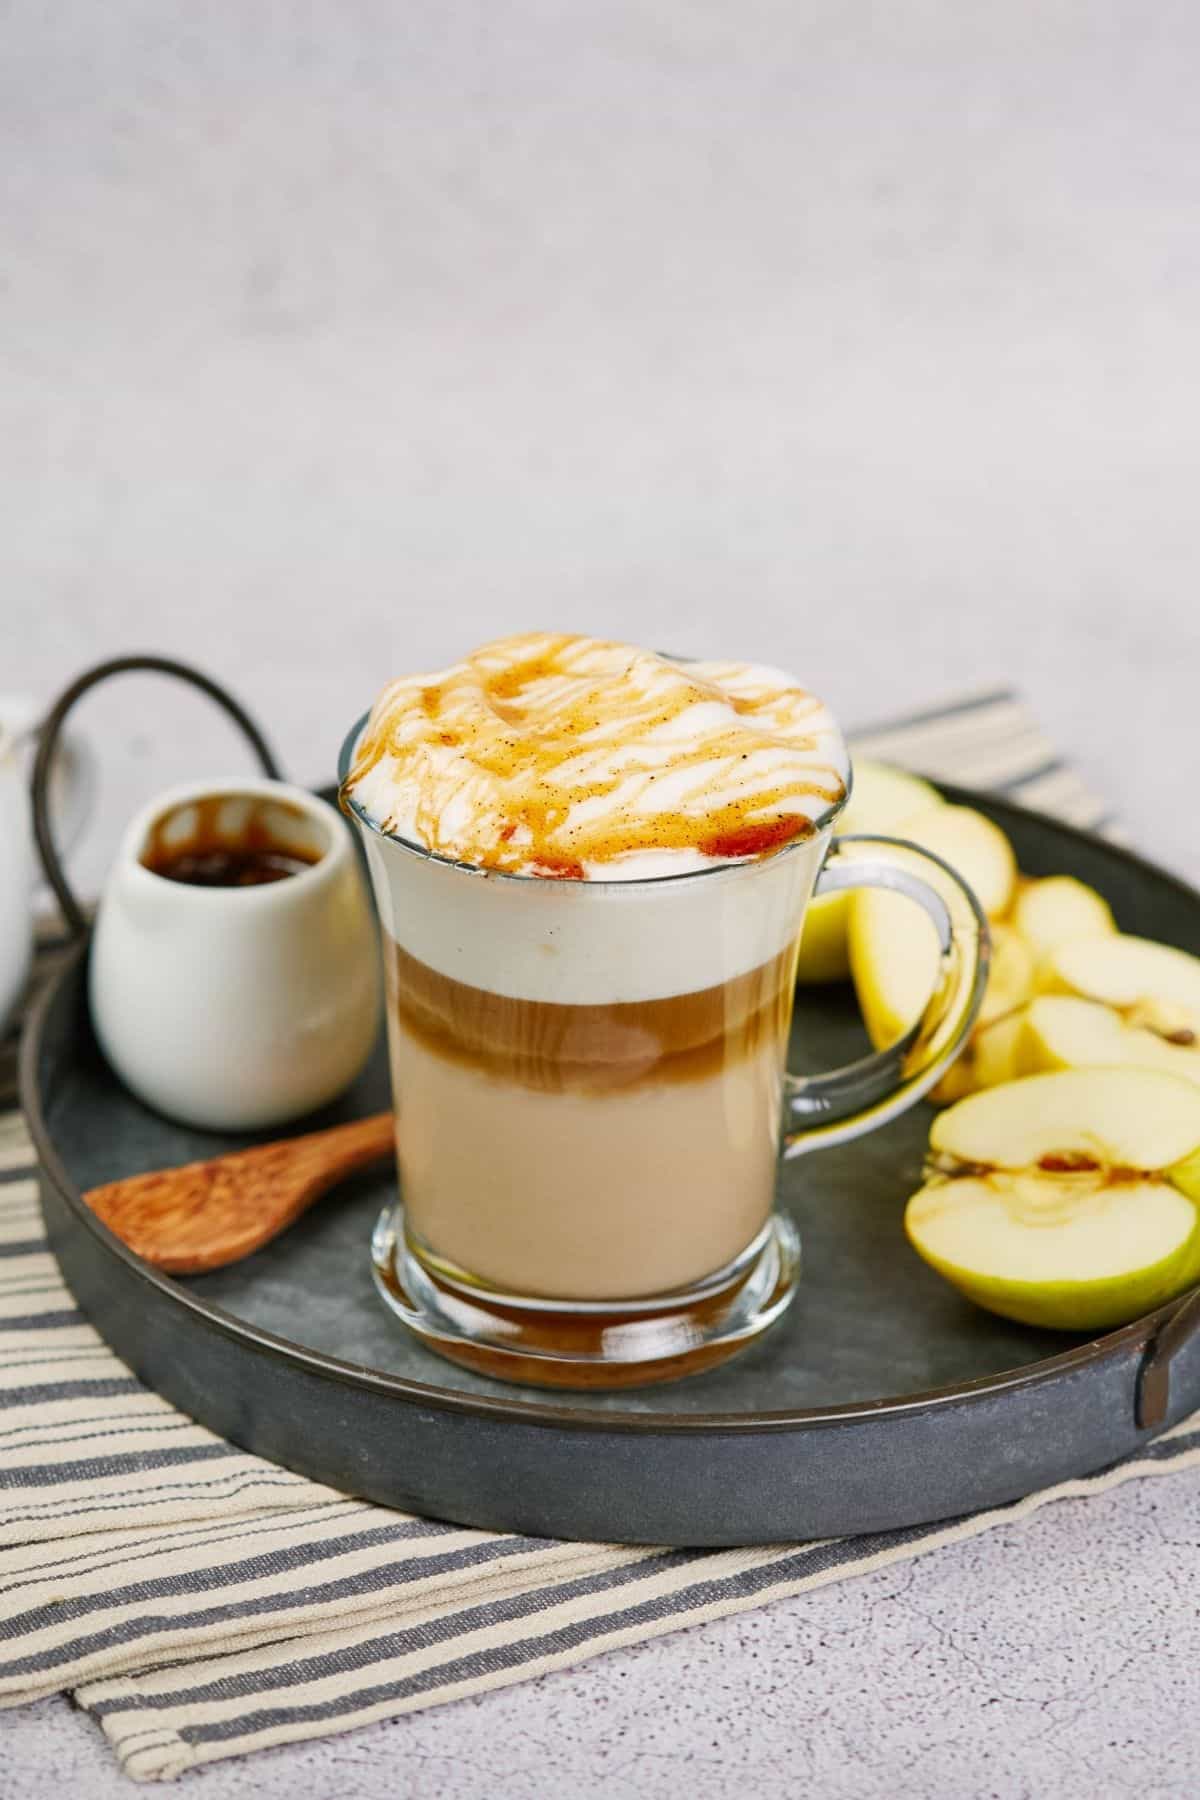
point(207, 1214)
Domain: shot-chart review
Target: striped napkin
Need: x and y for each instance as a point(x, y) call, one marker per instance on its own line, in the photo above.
point(202, 1603)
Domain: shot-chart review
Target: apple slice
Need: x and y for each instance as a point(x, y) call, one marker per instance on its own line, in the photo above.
point(1064, 1033)
point(1065, 1200)
point(881, 800)
point(991, 1053)
point(893, 945)
point(997, 1052)
point(1150, 985)
point(974, 846)
point(1059, 910)
point(1130, 1118)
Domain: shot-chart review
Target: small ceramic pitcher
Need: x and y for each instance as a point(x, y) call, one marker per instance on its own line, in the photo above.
point(232, 1008)
point(236, 1008)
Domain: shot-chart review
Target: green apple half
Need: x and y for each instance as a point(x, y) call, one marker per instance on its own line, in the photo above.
point(893, 944)
point(1066, 1200)
point(882, 799)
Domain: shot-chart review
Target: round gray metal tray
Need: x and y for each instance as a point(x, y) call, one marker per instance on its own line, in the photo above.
point(882, 1399)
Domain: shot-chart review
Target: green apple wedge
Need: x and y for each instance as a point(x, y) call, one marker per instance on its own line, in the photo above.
point(1116, 1001)
point(1151, 986)
point(1059, 910)
point(1048, 915)
point(992, 1051)
point(1064, 1033)
point(1065, 1200)
point(893, 945)
point(881, 800)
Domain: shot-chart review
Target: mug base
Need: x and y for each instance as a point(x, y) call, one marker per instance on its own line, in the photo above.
point(593, 1344)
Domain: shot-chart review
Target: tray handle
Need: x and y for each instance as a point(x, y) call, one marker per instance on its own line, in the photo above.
point(48, 736)
point(1154, 1376)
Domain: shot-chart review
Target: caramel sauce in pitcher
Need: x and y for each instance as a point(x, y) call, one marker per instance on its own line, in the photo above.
point(212, 852)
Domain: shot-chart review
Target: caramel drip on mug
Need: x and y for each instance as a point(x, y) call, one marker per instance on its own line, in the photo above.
point(556, 753)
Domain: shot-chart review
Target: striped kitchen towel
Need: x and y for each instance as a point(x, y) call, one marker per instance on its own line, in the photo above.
point(202, 1603)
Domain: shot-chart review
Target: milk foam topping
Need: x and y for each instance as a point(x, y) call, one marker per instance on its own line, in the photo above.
point(579, 759)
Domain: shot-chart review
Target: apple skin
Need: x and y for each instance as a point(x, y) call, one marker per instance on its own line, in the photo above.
point(881, 800)
point(1077, 1305)
point(1185, 1176)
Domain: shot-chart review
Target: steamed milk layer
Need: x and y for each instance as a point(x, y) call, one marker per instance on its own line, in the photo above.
point(587, 1063)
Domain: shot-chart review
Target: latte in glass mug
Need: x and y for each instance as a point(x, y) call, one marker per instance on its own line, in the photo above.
point(591, 864)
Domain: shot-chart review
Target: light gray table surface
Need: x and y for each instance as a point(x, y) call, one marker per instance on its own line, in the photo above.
point(858, 338)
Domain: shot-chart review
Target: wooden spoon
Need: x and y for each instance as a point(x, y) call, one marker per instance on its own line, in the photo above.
point(207, 1214)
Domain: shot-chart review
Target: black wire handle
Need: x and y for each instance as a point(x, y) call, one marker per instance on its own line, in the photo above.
point(48, 736)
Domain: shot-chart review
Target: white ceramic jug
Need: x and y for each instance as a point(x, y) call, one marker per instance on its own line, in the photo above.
point(236, 1008)
point(228, 1007)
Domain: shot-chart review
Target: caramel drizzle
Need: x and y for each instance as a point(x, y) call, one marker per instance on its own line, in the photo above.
point(519, 713)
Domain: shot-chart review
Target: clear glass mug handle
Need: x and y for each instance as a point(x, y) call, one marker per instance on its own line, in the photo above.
point(828, 1109)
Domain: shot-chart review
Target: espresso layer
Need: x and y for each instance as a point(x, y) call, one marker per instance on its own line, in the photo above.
point(560, 1048)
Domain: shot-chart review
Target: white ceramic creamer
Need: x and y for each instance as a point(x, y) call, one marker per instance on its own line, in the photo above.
point(236, 1008)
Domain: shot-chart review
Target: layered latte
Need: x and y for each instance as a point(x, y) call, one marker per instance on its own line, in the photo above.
point(591, 864)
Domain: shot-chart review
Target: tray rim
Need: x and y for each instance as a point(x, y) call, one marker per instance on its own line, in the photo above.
point(1113, 1345)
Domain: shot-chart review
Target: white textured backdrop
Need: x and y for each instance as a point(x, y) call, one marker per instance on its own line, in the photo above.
point(859, 336)
point(863, 337)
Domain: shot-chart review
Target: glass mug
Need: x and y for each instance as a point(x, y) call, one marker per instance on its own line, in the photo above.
point(591, 1097)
